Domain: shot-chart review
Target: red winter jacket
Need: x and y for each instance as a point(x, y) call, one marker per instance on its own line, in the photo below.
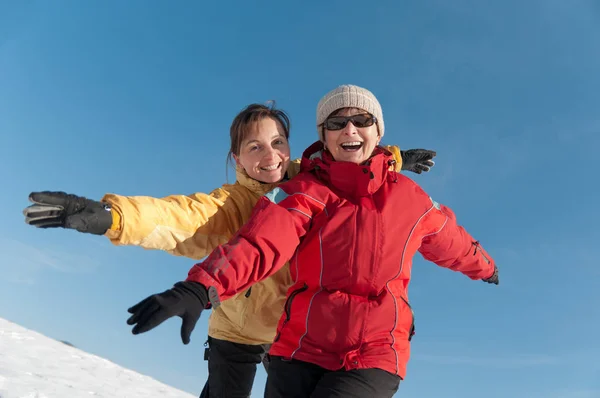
point(351, 232)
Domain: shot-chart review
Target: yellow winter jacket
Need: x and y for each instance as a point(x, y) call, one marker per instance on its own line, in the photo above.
point(193, 226)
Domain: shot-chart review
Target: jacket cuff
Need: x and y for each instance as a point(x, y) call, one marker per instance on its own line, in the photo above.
point(494, 270)
point(199, 275)
point(213, 298)
point(114, 232)
point(116, 217)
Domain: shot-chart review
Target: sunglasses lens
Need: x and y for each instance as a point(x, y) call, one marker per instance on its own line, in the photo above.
point(362, 120)
point(339, 122)
point(336, 123)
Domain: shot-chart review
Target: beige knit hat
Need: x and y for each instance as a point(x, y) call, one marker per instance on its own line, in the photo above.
point(349, 96)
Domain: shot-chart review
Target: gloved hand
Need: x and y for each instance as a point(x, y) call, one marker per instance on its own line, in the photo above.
point(61, 210)
point(494, 278)
point(186, 300)
point(417, 160)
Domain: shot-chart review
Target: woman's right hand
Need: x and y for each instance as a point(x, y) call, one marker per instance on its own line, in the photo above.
point(185, 299)
point(62, 210)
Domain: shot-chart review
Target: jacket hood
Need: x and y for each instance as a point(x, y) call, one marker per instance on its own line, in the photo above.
point(354, 179)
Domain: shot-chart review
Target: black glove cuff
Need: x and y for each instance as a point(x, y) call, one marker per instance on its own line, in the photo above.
point(402, 156)
point(493, 278)
point(105, 219)
point(195, 289)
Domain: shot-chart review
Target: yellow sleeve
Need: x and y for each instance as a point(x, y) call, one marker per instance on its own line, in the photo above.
point(190, 226)
point(395, 150)
point(294, 168)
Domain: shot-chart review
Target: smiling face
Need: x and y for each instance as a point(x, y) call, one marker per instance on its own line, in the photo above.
point(351, 143)
point(264, 152)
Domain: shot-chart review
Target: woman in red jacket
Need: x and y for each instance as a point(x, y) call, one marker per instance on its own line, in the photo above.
point(350, 228)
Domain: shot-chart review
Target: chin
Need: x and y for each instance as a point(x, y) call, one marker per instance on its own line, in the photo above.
point(357, 158)
point(351, 160)
point(273, 179)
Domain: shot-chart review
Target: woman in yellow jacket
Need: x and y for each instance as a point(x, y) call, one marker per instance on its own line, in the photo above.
point(240, 329)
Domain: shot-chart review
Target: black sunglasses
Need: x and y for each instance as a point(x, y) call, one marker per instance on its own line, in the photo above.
point(339, 122)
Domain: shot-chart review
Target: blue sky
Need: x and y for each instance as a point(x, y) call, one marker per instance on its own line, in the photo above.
point(136, 98)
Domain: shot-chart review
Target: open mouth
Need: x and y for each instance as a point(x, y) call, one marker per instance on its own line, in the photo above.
point(272, 167)
point(351, 146)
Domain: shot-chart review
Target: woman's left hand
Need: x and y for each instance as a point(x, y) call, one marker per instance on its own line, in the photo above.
point(417, 160)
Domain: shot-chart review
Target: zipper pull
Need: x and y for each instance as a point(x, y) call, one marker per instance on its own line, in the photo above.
point(478, 246)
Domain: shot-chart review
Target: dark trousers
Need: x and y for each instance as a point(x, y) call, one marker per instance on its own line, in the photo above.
point(231, 368)
point(297, 379)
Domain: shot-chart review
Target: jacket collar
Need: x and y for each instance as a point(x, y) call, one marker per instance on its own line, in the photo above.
point(354, 179)
point(259, 188)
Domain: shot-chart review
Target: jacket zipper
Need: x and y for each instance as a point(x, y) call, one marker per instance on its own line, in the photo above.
point(478, 246)
point(288, 308)
point(411, 332)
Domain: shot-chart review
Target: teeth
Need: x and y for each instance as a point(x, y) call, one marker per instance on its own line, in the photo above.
point(271, 168)
point(353, 143)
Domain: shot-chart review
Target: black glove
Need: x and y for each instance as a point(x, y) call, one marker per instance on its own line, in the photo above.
point(61, 210)
point(186, 300)
point(494, 278)
point(417, 160)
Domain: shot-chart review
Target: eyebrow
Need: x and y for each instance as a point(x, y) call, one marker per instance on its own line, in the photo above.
point(272, 138)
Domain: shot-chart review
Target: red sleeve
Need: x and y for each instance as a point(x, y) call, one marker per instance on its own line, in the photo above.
point(450, 246)
point(262, 246)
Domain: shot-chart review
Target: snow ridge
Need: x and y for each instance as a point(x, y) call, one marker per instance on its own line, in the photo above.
point(35, 366)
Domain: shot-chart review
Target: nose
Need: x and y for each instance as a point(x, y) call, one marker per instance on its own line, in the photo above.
point(271, 153)
point(350, 129)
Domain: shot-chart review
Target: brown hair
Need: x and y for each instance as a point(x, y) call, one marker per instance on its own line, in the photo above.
point(244, 122)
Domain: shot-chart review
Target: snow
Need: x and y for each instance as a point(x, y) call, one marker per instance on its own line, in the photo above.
point(35, 366)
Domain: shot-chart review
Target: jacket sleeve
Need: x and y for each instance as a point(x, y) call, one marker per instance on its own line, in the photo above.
point(262, 246)
point(395, 150)
point(190, 226)
point(452, 247)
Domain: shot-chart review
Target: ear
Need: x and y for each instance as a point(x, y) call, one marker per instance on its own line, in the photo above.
point(378, 134)
point(237, 161)
point(322, 136)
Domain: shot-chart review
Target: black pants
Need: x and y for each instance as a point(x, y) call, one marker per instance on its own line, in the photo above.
point(231, 368)
point(297, 379)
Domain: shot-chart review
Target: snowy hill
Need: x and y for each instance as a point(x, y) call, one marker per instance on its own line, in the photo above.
point(35, 366)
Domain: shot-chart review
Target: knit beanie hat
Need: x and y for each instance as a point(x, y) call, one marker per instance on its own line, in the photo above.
point(348, 96)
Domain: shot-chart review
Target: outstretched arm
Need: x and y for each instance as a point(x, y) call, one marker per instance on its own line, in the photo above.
point(451, 246)
point(415, 160)
point(262, 246)
point(191, 225)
